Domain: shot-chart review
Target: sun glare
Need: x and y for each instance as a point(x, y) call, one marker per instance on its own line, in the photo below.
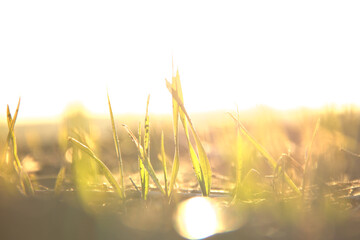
point(282, 54)
point(196, 218)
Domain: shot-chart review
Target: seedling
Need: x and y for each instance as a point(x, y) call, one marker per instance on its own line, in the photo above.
point(24, 178)
point(200, 161)
point(80, 146)
point(117, 148)
point(271, 161)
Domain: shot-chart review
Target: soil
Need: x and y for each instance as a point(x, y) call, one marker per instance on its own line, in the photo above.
point(104, 216)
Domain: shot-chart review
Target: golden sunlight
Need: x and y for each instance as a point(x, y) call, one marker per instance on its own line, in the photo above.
point(196, 218)
point(276, 53)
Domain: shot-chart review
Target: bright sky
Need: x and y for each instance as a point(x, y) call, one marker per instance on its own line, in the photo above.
point(284, 54)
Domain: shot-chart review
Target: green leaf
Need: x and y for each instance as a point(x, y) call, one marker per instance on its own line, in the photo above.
point(238, 164)
point(147, 129)
point(175, 165)
point(201, 163)
point(247, 186)
point(101, 165)
point(146, 162)
point(59, 180)
point(25, 181)
point(163, 160)
point(271, 161)
point(144, 175)
point(308, 156)
point(117, 148)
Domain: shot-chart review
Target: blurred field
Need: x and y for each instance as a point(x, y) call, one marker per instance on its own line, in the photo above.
point(42, 146)
point(328, 209)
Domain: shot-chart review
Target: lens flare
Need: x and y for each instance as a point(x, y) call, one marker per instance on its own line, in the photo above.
point(196, 218)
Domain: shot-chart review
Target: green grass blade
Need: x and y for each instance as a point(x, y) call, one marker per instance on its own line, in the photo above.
point(11, 121)
point(205, 169)
point(193, 156)
point(272, 162)
point(308, 156)
point(176, 163)
point(238, 164)
point(144, 175)
point(11, 124)
point(163, 160)
point(251, 173)
point(146, 147)
point(23, 176)
point(146, 162)
point(100, 164)
point(147, 129)
point(174, 171)
point(134, 185)
point(204, 163)
point(257, 145)
point(117, 148)
point(11, 135)
point(248, 186)
point(201, 163)
point(59, 180)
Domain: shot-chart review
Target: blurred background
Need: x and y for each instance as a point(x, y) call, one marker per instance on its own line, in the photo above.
point(281, 54)
point(43, 147)
point(284, 65)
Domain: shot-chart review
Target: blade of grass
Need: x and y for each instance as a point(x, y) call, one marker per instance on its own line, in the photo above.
point(271, 161)
point(238, 164)
point(11, 134)
point(175, 88)
point(146, 162)
point(147, 129)
point(117, 148)
point(201, 163)
point(294, 163)
point(101, 165)
point(163, 160)
point(308, 156)
point(204, 162)
point(348, 152)
point(11, 121)
point(193, 156)
point(279, 175)
point(11, 125)
point(59, 180)
point(252, 172)
point(246, 186)
point(136, 188)
point(23, 176)
point(144, 175)
point(175, 165)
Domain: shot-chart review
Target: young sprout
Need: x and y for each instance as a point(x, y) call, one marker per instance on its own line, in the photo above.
point(200, 161)
point(108, 175)
point(145, 159)
point(25, 181)
point(144, 174)
point(117, 148)
point(59, 180)
point(271, 161)
point(163, 160)
point(308, 156)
